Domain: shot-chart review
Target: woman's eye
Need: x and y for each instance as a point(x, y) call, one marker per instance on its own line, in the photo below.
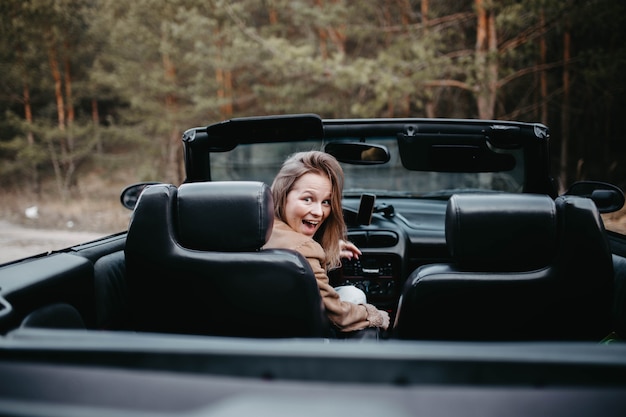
point(326, 202)
point(307, 199)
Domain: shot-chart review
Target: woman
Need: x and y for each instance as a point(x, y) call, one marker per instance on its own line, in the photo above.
point(308, 219)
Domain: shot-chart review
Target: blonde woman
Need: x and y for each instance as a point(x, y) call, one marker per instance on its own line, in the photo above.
point(308, 219)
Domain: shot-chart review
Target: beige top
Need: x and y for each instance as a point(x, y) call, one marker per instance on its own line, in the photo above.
point(346, 316)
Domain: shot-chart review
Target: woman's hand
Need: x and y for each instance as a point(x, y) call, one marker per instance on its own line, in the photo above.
point(349, 250)
point(376, 317)
point(385, 317)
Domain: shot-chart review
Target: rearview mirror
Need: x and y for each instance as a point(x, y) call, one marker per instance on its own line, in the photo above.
point(358, 153)
point(607, 197)
point(131, 194)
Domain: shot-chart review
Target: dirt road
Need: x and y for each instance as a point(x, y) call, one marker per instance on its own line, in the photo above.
point(18, 242)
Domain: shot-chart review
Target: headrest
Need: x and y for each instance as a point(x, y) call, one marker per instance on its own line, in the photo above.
point(227, 216)
point(501, 232)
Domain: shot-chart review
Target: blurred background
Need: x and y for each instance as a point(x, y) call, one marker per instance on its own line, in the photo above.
point(95, 94)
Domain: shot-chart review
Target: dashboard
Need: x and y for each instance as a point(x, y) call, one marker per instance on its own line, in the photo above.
point(400, 235)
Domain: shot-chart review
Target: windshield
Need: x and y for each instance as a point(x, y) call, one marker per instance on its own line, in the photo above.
point(261, 162)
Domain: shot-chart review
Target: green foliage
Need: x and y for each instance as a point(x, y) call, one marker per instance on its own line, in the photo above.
point(141, 72)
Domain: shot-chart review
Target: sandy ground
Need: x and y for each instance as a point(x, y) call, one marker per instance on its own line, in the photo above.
point(18, 242)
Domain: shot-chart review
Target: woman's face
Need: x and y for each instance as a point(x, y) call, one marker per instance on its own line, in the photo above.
point(308, 203)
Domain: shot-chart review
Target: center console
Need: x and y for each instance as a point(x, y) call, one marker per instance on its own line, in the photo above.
point(378, 275)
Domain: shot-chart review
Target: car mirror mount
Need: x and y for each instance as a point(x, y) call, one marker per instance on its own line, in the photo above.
point(608, 198)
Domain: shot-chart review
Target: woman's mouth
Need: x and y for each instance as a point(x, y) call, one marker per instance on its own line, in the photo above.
point(310, 225)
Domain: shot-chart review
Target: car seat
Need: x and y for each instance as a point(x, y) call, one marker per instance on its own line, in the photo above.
point(194, 265)
point(523, 267)
point(111, 292)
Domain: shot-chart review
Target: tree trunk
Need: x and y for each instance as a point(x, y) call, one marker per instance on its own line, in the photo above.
point(95, 119)
point(172, 145)
point(58, 87)
point(486, 61)
point(69, 99)
point(430, 105)
point(405, 15)
point(272, 13)
point(70, 162)
point(543, 75)
point(223, 80)
point(28, 117)
point(57, 160)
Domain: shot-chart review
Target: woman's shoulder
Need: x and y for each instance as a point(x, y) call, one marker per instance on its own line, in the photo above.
point(284, 237)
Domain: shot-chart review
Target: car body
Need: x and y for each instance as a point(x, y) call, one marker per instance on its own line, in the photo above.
point(506, 297)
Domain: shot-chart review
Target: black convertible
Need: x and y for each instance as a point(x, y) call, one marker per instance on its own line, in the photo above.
point(505, 297)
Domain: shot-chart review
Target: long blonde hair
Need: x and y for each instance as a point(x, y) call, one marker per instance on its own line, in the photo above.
point(334, 228)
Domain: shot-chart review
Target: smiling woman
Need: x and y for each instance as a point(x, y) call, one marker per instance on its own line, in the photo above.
point(309, 219)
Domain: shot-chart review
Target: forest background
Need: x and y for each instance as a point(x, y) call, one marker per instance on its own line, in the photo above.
point(95, 94)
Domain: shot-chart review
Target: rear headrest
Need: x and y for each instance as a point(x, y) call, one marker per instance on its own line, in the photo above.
point(512, 232)
point(224, 216)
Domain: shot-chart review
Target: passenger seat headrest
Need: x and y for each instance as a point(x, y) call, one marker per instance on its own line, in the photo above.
point(224, 216)
point(512, 232)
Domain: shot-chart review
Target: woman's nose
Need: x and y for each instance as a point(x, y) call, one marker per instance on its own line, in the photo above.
point(316, 209)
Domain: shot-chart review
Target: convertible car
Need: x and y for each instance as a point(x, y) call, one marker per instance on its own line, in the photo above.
point(505, 297)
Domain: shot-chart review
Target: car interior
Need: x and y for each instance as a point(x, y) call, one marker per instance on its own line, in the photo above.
point(452, 265)
point(528, 284)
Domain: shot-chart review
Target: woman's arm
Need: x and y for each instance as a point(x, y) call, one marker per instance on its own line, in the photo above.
point(346, 316)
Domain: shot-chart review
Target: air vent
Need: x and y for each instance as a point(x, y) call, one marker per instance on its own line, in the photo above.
point(358, 238)
point(374, 239)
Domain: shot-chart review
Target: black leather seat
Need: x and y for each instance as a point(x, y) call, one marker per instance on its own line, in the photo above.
point(524, 267)
point(194, 265)
point(111, 290)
